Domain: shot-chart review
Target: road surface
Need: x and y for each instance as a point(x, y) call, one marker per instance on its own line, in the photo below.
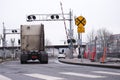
point(54, 70)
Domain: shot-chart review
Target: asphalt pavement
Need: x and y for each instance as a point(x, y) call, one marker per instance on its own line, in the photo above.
point(54, 70)
point(87, 62)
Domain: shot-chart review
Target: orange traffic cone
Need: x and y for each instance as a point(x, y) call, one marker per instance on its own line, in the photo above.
point(93, 55)
point(102, 59)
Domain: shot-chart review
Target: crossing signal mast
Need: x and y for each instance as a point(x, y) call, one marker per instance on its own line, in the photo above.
point(70, 37)
point(56, 17)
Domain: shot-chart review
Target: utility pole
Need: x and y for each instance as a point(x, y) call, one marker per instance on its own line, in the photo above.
point(71, 36)
point(4, 41)
point(13, 52)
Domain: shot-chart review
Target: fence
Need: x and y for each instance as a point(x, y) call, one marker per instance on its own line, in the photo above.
point(95, 49)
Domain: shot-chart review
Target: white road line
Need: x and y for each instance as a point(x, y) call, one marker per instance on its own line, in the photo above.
point(4, 78)
point(105, 72)
point(82, 75)
point(46, 77)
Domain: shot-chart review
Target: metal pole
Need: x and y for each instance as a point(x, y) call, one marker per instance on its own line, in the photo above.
point(71, 36)
point(81, 48)
point(96, 48)
point(4, 41)
point(71, 23)
point(79, 56)
point(13, 53)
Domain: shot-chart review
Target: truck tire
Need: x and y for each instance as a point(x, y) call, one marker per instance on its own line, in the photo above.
point(23, 62)
point(44, 58)
point(23, 58)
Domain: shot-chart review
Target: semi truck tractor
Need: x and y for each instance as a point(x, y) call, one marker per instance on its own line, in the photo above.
point(32, 44)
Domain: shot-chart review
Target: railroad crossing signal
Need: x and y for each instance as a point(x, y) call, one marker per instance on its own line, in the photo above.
point(80, 22)
point(48, 17)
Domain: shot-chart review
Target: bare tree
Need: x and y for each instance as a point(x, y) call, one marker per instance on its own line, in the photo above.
point(103, 36)
point(91, 36)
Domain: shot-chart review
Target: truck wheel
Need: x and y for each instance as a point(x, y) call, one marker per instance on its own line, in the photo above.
point(23, 58)
point(43, 61)
point(23, 62)
point(44, 58)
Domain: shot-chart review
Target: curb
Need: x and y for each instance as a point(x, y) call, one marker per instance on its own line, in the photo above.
point(91, 64)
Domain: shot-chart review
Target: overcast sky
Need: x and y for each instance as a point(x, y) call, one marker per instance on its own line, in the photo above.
point(98, 14)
